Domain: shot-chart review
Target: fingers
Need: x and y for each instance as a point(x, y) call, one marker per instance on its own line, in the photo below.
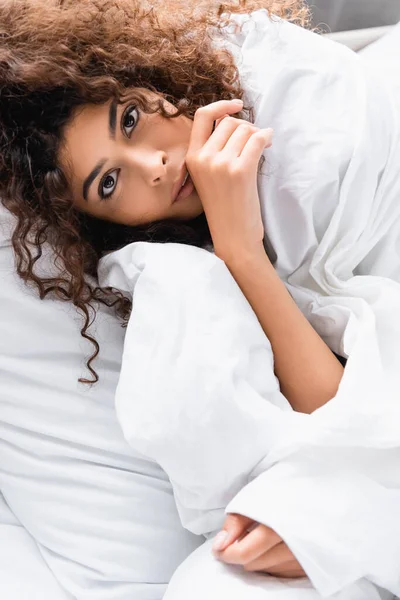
point(259, 549)
point(218, 121)
point(256, 144)
point(287, 570)
point(234, 526)
point(251, 547)
point(230, 137)
point(233, 138)
point(245, 142)
point(277, 556)
point(204, 118)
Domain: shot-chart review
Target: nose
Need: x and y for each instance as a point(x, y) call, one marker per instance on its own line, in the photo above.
point(150, 164)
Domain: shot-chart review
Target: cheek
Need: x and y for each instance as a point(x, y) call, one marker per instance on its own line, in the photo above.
point(137, 208)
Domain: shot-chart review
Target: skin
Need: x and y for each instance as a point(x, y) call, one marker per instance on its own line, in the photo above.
point(149, 156)
point(260, 550)
point(149, 152)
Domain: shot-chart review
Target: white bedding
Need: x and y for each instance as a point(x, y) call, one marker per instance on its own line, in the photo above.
point(100, 516)
point(25, 576)
point(197, 391)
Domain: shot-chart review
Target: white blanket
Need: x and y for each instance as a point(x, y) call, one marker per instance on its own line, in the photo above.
point(197, 392)
point(24, 574)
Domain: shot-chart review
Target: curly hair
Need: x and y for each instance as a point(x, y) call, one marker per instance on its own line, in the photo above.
point(57, 55)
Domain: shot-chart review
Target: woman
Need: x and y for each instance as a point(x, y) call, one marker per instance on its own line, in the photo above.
point(67, 167)
point(52, 111)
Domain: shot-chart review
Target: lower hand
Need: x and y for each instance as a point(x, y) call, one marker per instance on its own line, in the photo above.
point(258, 549)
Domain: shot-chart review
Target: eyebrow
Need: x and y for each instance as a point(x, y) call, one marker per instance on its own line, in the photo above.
point(112, 124)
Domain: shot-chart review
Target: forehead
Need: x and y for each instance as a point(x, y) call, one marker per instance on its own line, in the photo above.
point(88, 128)
point(86, 120)
point(85, 140)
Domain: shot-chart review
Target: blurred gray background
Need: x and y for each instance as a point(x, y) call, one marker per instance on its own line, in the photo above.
point(341, 15)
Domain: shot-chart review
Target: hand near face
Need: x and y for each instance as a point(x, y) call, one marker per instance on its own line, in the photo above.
point(223, 166)
point(257, 548)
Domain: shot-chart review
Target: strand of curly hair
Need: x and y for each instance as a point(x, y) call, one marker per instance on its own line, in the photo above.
point(57, 55)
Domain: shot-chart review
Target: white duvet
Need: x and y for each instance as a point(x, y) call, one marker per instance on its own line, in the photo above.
point(197, 391)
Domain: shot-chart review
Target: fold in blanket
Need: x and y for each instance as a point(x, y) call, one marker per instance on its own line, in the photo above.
point(197, 391)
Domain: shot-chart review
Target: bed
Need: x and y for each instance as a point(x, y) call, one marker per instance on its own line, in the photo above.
point(24, 575)
point(359, 38)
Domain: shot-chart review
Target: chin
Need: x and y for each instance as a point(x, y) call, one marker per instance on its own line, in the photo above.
point(188, 208)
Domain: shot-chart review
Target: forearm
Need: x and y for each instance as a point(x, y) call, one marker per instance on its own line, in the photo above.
point(308, 372)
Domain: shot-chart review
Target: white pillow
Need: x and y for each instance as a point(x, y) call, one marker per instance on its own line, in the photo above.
point(23, 573)
point(384, 56)
point(103, 516)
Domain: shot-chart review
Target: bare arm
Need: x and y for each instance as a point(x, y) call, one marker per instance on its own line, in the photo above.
point(308, 372)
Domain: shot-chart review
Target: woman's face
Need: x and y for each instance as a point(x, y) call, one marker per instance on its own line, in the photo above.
point(124, 165)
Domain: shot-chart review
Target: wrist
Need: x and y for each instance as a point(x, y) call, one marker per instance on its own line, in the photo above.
point(245, 259)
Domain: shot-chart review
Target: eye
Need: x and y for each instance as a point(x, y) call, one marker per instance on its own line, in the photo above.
point(108, 184)
point(129, 120)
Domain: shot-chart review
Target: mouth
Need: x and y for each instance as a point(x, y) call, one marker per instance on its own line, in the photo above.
point(186, 189)
point(181, 185)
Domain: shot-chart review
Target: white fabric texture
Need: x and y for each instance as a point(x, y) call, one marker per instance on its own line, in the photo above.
point(197, 391)
point(23, 573)
point(383, 56)
point(201, 577)
point(103, 517)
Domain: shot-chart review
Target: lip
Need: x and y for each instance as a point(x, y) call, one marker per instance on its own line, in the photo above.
point(177, 187)
point(186, 190)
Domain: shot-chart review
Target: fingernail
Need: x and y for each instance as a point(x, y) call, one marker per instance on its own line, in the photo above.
point(237, 101)
point(219, 541)
point(269, 137)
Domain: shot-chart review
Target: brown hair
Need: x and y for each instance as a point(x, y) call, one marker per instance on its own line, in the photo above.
point(57, 55)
